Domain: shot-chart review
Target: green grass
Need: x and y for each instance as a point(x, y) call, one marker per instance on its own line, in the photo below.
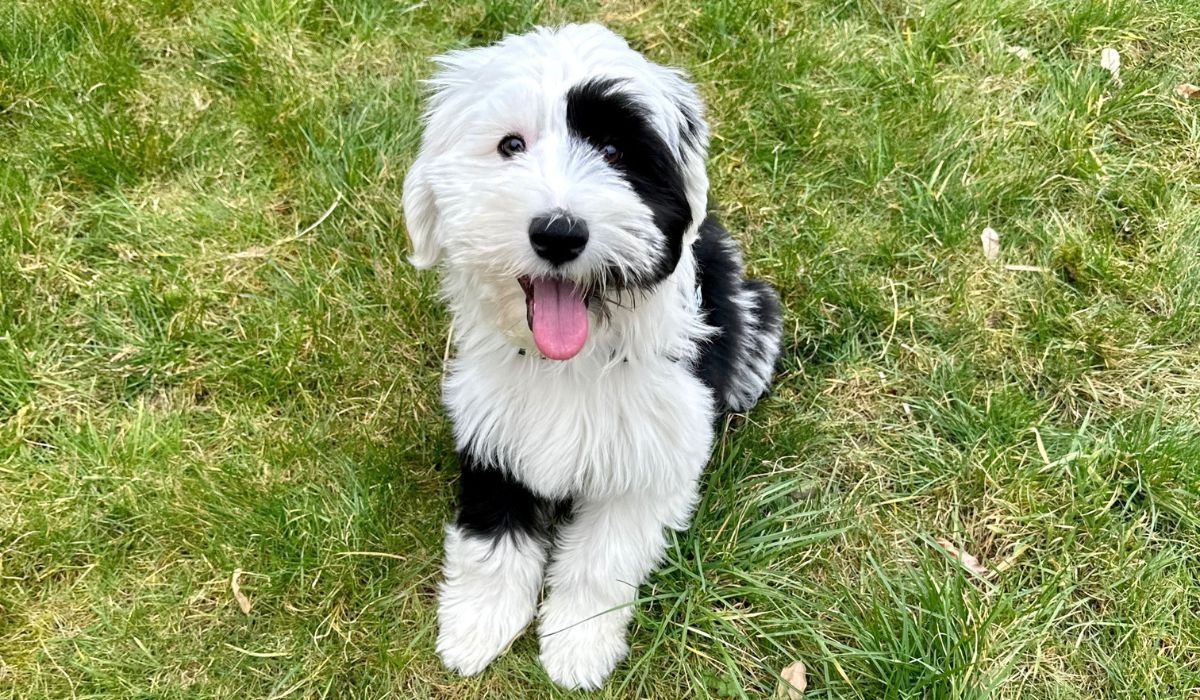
point(195, 377)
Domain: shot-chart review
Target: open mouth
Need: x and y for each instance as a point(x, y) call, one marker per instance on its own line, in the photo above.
point(556, 310)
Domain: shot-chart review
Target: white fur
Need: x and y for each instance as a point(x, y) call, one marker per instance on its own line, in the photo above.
point(625, 427)
point(627, 440)
point(487, 596)
point(602, 557)
point(596, 425)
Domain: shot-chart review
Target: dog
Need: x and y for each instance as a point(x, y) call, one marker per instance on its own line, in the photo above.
point(601, 321)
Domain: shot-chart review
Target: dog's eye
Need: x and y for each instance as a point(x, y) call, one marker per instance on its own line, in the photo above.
point(511, 145)
point(610, 153)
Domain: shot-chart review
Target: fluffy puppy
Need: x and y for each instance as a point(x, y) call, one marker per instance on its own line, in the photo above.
point(601, 322)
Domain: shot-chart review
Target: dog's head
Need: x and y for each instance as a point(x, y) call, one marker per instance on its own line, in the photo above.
point(557, 168)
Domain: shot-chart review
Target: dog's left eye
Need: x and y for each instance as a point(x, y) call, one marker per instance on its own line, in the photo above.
point(511, 145)
point(610, 153)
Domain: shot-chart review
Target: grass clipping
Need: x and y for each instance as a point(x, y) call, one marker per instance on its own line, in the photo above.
point(235, 585)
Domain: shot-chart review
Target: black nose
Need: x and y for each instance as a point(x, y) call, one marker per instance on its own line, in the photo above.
point(559, 238)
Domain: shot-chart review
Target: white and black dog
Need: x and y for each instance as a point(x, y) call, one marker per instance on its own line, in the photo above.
point(601, 322)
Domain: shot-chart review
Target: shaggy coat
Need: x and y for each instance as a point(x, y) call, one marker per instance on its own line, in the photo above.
point(601, 323)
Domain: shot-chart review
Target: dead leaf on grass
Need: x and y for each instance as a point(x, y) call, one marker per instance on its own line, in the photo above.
point(991, 243)
point(967, 560)
point(793, 680)
point(1020, 52)
point(1110, 61)
point(200, 100)
point(1187, 91)
point(242, 601)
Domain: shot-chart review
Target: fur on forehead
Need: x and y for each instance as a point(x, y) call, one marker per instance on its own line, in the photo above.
point(478, 83)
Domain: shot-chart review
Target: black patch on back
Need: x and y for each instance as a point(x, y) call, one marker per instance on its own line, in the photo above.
point(493, 504)
point(720, 279)
point(599, 113)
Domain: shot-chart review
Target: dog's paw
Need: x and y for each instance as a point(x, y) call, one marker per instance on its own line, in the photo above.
point(474, 629)
point(582, 654)
point(487, 597)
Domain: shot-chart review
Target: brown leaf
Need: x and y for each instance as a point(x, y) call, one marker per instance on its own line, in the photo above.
point(242, 601)
point(1187, 91)
point(967, 560)
point(793, 680)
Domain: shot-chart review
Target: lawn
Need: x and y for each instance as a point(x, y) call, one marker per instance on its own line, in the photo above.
point(213, 357)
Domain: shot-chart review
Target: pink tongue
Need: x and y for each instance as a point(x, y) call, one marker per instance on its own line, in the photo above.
point(559, 318)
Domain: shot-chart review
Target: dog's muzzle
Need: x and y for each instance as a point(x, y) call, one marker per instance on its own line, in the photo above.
point(555, 307)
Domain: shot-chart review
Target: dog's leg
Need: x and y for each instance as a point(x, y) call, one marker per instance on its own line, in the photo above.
point(495, 557)
point(603, 554)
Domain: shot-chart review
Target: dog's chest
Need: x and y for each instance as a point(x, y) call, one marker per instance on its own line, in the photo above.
point(564, 432)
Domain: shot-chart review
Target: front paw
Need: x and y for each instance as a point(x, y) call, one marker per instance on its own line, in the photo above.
point(579, 651)
point(487, 596)
point(474, 630)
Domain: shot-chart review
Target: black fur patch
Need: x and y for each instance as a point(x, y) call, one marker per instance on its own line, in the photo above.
point(493, 504)
point(720, 279)
point(737, 361)
point(767, 312)
point(599, 113)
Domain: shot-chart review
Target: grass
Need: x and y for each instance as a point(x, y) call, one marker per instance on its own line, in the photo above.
point(199, 373)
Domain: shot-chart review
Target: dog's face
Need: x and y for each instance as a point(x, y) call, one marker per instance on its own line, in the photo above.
point(557, 168)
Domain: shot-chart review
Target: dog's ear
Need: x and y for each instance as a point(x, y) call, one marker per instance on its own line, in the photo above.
point(421, 215)
point(454, 79)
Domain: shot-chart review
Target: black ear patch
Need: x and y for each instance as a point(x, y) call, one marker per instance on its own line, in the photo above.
point(599, 113)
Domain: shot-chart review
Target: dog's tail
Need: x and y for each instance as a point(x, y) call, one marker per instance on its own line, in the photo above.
point(763, 323)
point(738, 360)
